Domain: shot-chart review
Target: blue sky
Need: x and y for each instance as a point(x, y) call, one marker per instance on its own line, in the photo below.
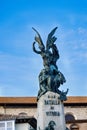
point(20, 66)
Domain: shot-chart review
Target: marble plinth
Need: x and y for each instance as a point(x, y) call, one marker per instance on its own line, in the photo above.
point(50, 112)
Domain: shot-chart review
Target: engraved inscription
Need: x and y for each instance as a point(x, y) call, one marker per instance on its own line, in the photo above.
point(52, 113)
point(51, 102)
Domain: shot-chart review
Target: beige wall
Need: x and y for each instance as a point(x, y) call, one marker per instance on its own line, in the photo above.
point(2, 110)
point(29, 111)
point(78, 112)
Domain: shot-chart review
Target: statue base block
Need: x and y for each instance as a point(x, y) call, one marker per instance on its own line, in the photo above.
point(50, 112)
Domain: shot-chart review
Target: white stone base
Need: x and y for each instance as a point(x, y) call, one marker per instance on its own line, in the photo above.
point(50, 110)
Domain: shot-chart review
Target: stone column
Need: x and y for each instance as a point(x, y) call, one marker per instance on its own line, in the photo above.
point(50, 112)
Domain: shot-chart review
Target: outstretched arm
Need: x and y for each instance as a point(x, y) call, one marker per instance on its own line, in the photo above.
point(34, 49)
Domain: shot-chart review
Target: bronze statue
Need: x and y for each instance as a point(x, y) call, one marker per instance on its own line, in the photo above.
point(50, 78)
point(51, 125)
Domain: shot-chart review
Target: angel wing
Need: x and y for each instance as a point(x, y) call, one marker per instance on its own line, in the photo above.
point(39, 40)
point(51, 39)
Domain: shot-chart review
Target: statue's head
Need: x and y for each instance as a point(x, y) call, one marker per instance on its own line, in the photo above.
point(52, 124)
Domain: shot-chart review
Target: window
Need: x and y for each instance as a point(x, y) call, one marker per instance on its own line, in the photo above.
point(9, 125)
point(2, 126)
point(6, 125)
point(69, 117)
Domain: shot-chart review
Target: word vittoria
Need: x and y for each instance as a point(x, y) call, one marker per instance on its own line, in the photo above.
point(51, 113)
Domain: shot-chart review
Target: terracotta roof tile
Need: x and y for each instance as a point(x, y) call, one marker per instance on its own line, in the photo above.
point(76, 99)
point(18, 100)
point(33, 100)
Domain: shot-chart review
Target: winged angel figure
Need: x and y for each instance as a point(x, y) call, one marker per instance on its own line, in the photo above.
point(50, 77)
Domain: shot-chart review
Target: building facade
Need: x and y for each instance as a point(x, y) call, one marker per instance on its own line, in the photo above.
point(24, 109)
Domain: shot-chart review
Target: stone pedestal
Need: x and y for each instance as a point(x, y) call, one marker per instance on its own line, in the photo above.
point(50, 112)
